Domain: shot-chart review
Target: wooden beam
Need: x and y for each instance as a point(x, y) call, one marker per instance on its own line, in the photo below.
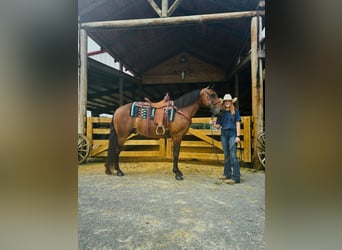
point(96, 52)
point(100, 101)
point(169, 21)
point(155, 7)
point(99, 94)
point(165, 8)
point(107, 109)
point(100, 40)
point(96, 104)
point(109, 70)
point(240, 66)
point(205, 138)
point(83, 83)
point(173, 7)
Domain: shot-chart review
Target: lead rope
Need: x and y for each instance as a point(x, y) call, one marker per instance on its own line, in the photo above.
point(212, 138)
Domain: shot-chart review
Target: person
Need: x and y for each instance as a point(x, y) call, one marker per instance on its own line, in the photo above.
point(229, 122)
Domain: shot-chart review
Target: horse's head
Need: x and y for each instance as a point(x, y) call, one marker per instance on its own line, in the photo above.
point(210, 99)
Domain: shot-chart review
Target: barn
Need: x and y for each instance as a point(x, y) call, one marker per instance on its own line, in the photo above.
point(172, 46)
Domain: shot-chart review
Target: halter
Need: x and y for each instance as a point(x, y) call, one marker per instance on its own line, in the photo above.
point(210, 102)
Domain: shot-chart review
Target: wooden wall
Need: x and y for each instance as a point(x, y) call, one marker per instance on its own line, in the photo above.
point(194, 70)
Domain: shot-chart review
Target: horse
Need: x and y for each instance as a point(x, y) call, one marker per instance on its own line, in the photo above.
point(186, 106)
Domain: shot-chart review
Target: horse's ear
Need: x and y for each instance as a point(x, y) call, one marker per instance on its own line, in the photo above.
point(204, 89)
point(211, 86)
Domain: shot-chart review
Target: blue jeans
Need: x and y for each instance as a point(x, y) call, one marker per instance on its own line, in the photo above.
point(229, 148)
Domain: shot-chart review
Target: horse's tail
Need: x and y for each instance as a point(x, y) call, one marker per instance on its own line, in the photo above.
point(113, 148)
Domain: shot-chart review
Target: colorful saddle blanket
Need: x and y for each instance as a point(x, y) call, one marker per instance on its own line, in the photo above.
point(144, 110)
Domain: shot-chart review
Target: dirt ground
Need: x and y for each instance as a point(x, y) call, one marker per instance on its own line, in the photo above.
point(149, 209)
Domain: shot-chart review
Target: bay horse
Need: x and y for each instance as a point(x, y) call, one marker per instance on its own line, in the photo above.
point(186, 106)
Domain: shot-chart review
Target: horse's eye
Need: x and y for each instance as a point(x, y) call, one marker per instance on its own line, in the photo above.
point(213, 95)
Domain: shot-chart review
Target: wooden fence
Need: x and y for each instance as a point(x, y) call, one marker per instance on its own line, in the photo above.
point(201, 142)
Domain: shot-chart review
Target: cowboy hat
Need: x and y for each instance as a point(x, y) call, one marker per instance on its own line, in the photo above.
point(228, 97)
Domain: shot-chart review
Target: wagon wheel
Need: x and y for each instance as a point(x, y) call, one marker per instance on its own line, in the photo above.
point(83, 148)
point(261, 148)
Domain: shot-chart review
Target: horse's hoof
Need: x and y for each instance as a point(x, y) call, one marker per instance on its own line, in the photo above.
point(120, 174)
point(108, 172)
point(179, 177)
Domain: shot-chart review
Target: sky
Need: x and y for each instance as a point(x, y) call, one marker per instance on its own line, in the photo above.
point(104, 58)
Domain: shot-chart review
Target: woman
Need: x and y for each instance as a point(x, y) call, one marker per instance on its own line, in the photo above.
point(229, 122)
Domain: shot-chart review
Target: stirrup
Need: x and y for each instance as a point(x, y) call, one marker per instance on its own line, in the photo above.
point(162, 128)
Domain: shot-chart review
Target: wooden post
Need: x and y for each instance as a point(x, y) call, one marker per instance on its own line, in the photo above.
point(257, 97)
point(82, 84)
point(246, 138)
point(236, 89)
point(90, 130)
point(165, 8)
point(260, 75)
point(260, 80)
point(155, 7)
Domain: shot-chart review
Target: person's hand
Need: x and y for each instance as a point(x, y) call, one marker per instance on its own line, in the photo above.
point(217, 126)
point(237, 139)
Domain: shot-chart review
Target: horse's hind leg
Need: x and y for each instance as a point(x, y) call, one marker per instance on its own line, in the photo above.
point(112, 162)
point(176, 149)
point(109, 165)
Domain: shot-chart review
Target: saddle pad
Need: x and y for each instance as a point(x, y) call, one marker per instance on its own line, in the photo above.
point(134, 110)
point(138, 110)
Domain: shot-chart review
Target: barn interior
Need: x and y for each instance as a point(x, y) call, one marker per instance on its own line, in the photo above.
point(174, 58)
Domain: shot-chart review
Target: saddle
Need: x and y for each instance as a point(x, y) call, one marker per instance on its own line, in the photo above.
point(160, 112)
point(160, 104)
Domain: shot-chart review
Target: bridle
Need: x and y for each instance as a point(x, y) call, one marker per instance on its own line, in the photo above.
point(212, 105)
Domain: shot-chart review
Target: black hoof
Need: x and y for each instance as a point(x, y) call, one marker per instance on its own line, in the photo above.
point(179, 177)
point(120, 174)
point(108, 172)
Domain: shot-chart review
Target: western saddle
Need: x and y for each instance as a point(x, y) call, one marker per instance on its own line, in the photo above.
point(161, 116)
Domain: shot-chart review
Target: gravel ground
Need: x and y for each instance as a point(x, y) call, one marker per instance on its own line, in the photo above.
point(149, 209)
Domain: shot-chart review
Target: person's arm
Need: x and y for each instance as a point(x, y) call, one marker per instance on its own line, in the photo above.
point(238, 129)
point(217, 122)
point(238, 122)
point(237, 139)
point(216, 125)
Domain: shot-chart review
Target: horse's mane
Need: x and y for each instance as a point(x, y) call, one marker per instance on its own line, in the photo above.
point(187, 99)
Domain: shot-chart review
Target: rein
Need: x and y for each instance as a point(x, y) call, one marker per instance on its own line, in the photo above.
point(212, 139)
point(184, 115)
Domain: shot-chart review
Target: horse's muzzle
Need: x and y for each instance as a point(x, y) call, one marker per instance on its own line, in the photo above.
point(215, 110)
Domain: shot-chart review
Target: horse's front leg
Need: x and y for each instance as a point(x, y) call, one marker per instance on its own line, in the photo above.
point(176, 149)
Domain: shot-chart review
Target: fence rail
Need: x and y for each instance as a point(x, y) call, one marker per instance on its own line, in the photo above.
point(200, 142)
